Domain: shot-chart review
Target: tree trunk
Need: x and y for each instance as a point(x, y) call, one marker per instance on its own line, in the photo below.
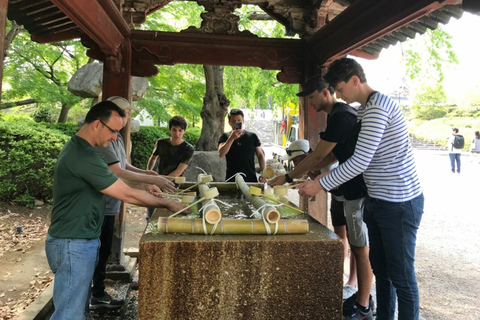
point(215, 106)
point(64, 112)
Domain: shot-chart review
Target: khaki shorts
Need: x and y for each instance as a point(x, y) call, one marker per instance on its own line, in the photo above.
point(356, 229)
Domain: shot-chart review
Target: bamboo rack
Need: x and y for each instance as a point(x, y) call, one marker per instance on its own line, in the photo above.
point(230, 226)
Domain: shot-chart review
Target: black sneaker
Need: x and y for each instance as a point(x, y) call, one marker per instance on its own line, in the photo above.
point(350, 302)
point(105, 302)
point(356, 313)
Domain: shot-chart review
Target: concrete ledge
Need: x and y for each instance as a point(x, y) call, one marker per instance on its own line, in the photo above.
point(40, 307)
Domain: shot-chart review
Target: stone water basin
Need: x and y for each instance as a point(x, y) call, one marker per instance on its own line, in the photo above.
point(227, 277)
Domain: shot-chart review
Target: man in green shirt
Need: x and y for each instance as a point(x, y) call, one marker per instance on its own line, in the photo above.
point(81, 179)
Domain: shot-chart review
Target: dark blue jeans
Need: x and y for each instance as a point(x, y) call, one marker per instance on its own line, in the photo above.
point(392, 229)
point(455, 157)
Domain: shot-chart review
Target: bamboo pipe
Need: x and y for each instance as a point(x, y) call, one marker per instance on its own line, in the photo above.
point(258, 192)
point(230, 226)
point(270, 213)
point(203, 179)
point(211, 211)
point(209, 194)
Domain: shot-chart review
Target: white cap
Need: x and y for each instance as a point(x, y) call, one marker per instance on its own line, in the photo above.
point(121, 102)
point(297, 148)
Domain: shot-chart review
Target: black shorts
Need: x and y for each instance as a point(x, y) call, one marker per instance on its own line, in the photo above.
point(337, 214)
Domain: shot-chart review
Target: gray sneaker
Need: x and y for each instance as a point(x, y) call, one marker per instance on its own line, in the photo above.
point(355, 313)
point(105, 302)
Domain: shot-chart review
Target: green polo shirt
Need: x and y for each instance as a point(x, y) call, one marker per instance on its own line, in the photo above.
point(78, 205)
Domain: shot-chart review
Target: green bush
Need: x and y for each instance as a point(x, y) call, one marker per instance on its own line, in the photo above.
point(44, 113)
point(144, 140)
point(68, 129)
point(28, 153)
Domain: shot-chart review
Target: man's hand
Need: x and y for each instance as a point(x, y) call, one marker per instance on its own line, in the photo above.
point(151, 172)
point(175, 206)
point(165, 184)
point(309, 188)
point(236, 134)
point(154, 190)
point(262, 179)
point(278, 181)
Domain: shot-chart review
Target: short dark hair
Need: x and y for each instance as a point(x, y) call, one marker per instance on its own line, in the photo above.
point(343, 70)
point(102, 111)
point(177, 121)
point(455, 130)
point(315, 82)
point(235, 112)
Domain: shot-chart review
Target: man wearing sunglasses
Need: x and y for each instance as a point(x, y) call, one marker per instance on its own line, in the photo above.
point(339, 139)
point(81, 179)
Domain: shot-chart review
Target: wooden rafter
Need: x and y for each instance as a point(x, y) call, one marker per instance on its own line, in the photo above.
point(367, 20)
point(98, 19)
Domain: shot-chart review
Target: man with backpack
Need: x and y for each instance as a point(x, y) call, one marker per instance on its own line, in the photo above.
point(456, 142)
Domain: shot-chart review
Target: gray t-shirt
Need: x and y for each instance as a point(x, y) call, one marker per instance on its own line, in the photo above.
point(113, 153)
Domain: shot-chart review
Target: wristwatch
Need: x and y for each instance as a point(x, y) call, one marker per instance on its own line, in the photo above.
point(288, 179)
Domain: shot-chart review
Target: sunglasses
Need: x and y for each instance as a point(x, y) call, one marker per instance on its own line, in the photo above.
point(289, 152)
point(113, 131)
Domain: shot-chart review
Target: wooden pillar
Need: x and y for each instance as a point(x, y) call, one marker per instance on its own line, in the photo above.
point(117, 81)
point(3, 25)
point(311, 124)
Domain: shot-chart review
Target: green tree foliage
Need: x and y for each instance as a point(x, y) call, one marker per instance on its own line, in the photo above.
point(430, 103)
point(176, 90)
point(427, 55)
point(41, 71)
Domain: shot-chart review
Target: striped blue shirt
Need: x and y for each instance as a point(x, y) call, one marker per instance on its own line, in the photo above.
point(383, 154)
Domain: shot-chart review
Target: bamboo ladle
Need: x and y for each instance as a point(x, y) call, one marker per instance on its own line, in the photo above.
point(268, 172)
point(185, 198)
point(208, 194)
point(258, 192)
point(203, 179)
point(178, 180)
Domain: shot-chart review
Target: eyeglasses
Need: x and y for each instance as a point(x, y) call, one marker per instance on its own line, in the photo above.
point(113, 131)
point(289, 152)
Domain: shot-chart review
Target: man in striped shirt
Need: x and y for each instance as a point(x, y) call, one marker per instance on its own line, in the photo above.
point(394, 206)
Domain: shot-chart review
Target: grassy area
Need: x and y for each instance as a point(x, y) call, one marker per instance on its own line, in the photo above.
point(439, 130)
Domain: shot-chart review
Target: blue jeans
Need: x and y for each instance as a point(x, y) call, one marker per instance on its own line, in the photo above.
point(455, 157)
point(392, 229)
point(73, 262)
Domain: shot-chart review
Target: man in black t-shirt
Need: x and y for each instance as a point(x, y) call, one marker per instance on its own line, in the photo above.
point(339, 138)
point(239, 147)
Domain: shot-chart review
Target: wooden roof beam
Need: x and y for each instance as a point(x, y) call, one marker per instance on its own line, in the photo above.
point(365, 21)
point(100, 20)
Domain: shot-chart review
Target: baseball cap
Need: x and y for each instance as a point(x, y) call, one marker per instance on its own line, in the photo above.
point(121, 102)
point(297, 148)
point(316, 82)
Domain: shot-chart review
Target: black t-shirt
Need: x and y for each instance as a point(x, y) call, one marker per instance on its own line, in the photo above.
point(171, 156)
point(240, 157)
point(343, 129)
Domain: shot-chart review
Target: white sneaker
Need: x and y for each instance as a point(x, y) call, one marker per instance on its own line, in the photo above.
point(348, 291)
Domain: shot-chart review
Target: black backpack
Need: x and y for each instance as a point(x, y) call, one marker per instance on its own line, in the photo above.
point(458, 141)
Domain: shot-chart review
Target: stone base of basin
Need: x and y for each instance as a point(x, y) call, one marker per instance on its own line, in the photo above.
point(228, 277)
